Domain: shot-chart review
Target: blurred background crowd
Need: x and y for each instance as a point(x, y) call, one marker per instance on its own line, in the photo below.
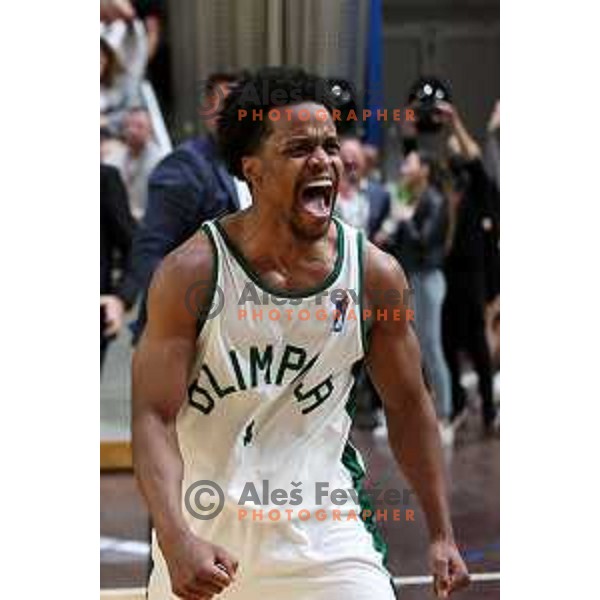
point(428, 191)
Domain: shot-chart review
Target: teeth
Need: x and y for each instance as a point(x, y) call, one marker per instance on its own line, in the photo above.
point(319, 183)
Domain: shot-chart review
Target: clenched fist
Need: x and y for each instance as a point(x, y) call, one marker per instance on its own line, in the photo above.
point(449, 570)
point(199, 570)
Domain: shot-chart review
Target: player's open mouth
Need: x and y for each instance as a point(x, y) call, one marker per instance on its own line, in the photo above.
point(316, 197)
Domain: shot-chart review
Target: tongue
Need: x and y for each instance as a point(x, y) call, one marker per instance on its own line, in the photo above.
point(315, 204)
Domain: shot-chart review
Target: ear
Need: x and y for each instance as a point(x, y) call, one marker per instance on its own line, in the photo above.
point(252, 169)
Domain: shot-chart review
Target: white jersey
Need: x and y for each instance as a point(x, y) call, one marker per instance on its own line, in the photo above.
point(270, 406)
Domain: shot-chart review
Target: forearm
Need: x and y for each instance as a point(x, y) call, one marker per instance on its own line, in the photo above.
point(159, 471)
point(415, 443)
point(468, 146)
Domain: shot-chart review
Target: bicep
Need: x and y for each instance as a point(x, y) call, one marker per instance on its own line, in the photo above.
point(394, 364)
point(160, 371)
point(164, 356)
point(394, 358)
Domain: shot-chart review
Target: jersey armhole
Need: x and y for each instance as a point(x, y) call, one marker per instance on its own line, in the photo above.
point(365, 324)
point(205, 227)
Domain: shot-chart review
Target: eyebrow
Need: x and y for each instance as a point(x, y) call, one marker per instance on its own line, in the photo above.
point(303, 138)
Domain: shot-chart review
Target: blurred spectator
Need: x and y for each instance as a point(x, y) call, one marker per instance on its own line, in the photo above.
point(463, 317)
point(365, 204)
point(419, 244)
point(110, 144)
point(399, 199)
point(154, 15)
point(116, 231)
point(151, 13)
point(372, 170)
point(114, 87)
point(189, 186)
point(123, 59)
point(492, 237)
point(492, 146)
point(492, 229)
point(113, 10)
point(361, 202)
point(137, 159)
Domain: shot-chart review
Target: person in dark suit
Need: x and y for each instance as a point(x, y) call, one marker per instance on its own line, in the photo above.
point(379, 207)
point(188, 187)
point(117, 227)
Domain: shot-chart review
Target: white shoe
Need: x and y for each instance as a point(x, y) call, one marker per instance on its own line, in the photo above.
point(460, 419)
point(446, 433)
point(381, 429)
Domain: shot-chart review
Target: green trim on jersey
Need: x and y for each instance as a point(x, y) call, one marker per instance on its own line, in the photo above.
point(365, 327)
point(264, 286)
point(215, 272)
point(352, 464)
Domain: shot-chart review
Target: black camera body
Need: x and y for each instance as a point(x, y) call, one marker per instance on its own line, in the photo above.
point(424, 96)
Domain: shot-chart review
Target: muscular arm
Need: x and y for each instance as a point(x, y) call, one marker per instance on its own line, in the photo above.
point(161, 368)
point(394, 364)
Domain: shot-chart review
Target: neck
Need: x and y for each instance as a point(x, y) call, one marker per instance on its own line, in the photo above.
point(259, 228)
point(136, 150)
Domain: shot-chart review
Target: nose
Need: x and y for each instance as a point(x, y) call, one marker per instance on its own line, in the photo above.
point(319, 159)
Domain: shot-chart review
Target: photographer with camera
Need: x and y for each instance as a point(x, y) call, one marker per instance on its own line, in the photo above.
point(440, 133)
point(469, 191)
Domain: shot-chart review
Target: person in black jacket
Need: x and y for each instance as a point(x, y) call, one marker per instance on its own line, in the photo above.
point(464, 309)
point(419, 244)
point(117, 227)
point(466, 269)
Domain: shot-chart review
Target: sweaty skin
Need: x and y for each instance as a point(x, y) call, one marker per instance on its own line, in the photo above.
point(296, 152)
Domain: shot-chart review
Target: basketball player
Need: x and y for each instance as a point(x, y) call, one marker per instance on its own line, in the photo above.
point(241, 398)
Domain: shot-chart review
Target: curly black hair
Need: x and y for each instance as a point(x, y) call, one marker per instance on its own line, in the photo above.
point(269, 87)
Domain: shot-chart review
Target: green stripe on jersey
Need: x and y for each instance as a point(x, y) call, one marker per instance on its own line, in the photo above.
point(352, 464)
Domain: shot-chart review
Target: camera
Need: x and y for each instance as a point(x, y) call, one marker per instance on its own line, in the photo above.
point(424, 96)
point(341, 94)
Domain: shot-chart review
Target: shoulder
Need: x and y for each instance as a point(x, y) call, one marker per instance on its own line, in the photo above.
point(382, 272)
point(385, 288)
point(184, 278)
point(386, 294)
